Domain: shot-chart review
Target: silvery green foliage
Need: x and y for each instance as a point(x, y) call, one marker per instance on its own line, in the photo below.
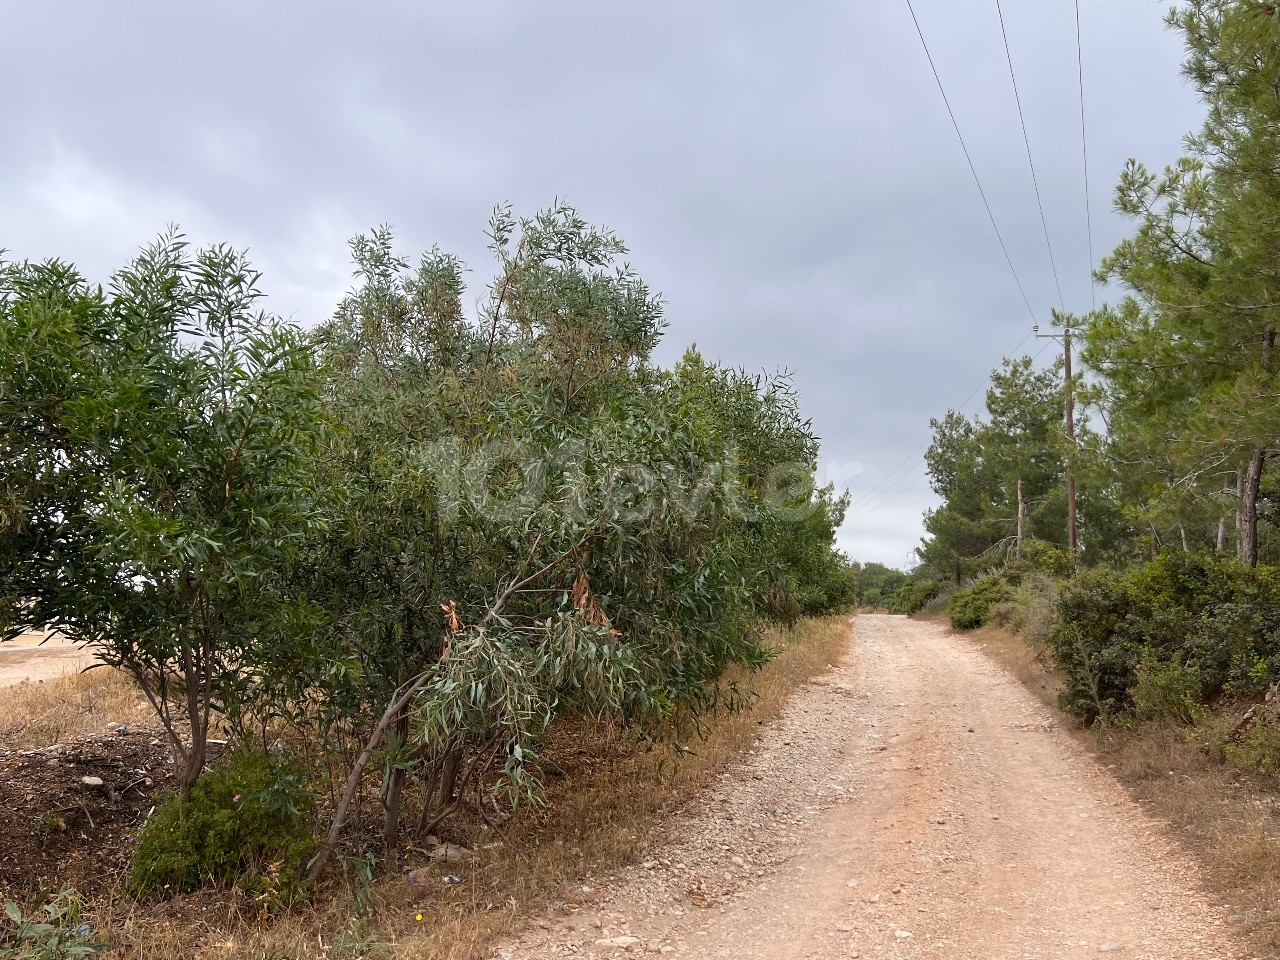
point(417, 534)
point(533, 519)
point(55, 931)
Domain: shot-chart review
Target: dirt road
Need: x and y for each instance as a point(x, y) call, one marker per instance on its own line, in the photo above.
point(915, 802)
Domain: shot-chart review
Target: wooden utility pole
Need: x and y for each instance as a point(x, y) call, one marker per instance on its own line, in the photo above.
point(1069, 424)
point(1021, 513)
point(1220, 543)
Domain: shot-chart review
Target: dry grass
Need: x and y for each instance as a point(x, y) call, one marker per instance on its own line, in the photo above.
point(1226, 818)
point(606, 808)
point(1029, 662)
point(68, 707)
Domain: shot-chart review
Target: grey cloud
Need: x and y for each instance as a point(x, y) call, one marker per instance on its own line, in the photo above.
point(784, 173)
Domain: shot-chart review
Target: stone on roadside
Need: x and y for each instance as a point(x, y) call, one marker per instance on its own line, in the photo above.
point(421, 877)
point(449, 852)
point(625, 942)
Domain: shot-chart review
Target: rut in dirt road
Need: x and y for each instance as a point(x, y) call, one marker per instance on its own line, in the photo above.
point(915, 801)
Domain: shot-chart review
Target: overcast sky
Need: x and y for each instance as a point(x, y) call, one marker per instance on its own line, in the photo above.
point(785, 173)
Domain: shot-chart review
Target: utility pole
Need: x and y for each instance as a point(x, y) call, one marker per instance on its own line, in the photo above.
point(1069, 423)
point(1022, 510)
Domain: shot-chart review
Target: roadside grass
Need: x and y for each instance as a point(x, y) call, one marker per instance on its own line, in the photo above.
point(1028, 661)
point(1227, 818)
point(45, 712)
point(609, 798)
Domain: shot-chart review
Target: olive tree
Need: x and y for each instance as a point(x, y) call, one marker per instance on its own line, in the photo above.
point(154, 435)
point(529, 518)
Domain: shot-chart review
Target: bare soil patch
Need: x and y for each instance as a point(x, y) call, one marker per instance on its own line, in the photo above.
point(33, 657)
point(69, 812)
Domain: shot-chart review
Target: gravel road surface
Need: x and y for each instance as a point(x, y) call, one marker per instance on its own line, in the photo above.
point(914, 802)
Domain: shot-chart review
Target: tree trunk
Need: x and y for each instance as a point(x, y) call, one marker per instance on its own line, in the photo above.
point(449, 770)
point(339, 817)
point(1249, 507)
point(195, 678)
point(194, 764)
point(394, 790)
point(1253, 481)
point(1182, 532)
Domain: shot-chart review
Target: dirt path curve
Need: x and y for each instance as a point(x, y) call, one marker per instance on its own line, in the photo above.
point(914, 802)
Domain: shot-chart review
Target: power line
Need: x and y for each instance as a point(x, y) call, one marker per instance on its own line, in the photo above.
point(868, 510)
point(890, 493)
point(1084, 147)
point(869, 504)
point(1026, 139)
point(968, 157)
point(895, 483)
point(889, 477)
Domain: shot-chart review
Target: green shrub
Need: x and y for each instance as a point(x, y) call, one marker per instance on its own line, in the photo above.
point(247, 824)
point(1238, 645)
point(54, 931)
point(911, 597)
point(1258, 750)
point(973, 607)
point(1210, 616)
point(1167, 690)
point(1032, 607)
point(1037, 560)
point(1097, 644)
point(1048, 560)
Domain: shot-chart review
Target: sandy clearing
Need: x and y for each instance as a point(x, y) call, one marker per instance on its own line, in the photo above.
point(914, 802)
point(32, 657)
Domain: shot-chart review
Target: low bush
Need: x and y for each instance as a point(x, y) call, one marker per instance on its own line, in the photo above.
point(1179, 622)
point(1039, 559)
point(1168, 690)
point(53, 931)
point(1031, 609)
point(1257, 751)
point(973, 607)
point(912, 597)
point(248, 824)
